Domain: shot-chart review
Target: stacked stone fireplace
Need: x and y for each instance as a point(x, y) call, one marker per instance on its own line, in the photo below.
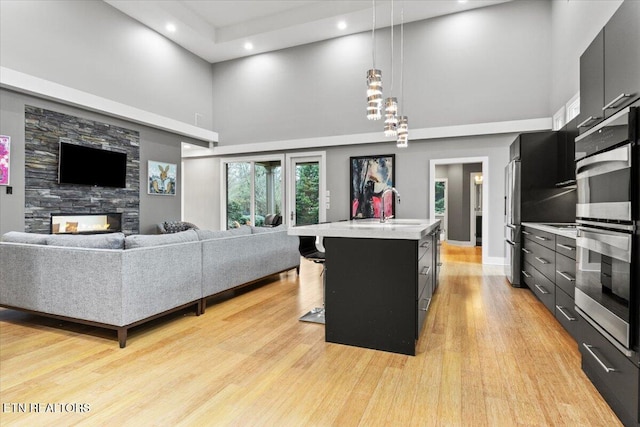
point(46, 199)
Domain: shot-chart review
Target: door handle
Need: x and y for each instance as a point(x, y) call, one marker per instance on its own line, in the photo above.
point(526, 275)
point(569, 248)
point(544, 239)
point(542, 260)
point(542, 290)
point(566, 276)
point(561, 310)
point(588, 120)
point(526, 251)
point(614, 101)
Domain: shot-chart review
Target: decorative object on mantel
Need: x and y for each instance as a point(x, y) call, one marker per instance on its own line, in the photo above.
point(5, 150)
point(370, 176)
point(374, 79)
point(162, 178)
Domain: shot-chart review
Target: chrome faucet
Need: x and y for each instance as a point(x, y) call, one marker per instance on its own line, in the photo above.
point(385, 191)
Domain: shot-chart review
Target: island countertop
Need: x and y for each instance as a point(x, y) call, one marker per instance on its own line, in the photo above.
point(407, 229)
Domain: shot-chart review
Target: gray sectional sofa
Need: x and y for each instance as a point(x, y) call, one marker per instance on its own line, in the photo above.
point(118, 282)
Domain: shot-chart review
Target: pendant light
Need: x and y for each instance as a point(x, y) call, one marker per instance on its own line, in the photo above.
point(403, 121)
point(374, 78)
point(391, 103)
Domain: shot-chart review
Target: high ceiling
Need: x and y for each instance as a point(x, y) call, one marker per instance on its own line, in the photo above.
point(217, 30)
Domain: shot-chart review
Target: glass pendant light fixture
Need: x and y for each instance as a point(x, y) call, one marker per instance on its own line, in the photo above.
point(403, 121)
point(391, 103)
point(374, 78)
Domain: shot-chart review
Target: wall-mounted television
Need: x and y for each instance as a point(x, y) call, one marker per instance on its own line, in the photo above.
point(82, 165)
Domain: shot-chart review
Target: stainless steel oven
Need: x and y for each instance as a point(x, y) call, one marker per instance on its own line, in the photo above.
point(607, 290)
point(603, 279)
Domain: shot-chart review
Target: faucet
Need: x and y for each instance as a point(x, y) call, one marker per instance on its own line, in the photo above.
point(385, 191)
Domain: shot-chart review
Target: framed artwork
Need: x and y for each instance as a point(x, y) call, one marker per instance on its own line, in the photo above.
point(5, 149)
point(370, 176)
point(162, 178)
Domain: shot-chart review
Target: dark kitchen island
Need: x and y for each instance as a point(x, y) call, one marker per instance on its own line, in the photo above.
point(379, 280)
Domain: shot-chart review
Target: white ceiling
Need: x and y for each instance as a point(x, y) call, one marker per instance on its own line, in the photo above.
point(217, 30)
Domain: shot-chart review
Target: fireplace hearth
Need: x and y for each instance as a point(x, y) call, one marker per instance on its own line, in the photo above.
point(70, 223)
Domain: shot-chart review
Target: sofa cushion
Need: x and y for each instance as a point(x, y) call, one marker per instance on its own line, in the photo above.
point(22, 237)
point(210, 234)
point(145, 240)
point(92, 241)
point(256, 230)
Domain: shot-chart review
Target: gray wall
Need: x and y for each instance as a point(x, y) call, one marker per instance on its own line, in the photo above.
point(485, 65)
point(154, 145)
point(458, 198)
point(91, 46)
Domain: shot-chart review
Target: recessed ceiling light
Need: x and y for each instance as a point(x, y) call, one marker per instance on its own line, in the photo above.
point(248, 45)
point(171, 28)
point(187, 146)
point(462, 1)
point(342, 25)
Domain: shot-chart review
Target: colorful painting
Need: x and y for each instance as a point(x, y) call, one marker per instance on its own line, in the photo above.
point(370, 176)
point(162, 178)
point(5, 148)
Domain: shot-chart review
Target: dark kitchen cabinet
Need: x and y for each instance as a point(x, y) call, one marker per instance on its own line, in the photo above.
point(610, 66)
point(566, 173)
point(622, 57)
point(592, 84)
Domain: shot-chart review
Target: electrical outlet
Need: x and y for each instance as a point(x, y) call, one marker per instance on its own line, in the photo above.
point(9, 190)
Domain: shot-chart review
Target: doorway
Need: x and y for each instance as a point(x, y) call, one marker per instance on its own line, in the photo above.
point(475, 203)
point(307, 201)
point(462, 203)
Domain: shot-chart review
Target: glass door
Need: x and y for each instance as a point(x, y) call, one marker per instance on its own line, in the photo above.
point(253, 191)
point(307, 201)
point(441, 205)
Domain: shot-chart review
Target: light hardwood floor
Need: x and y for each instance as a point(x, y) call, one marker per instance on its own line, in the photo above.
point(488, 355)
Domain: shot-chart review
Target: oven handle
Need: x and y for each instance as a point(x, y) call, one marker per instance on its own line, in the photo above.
point(609, 243)
point(609, 161)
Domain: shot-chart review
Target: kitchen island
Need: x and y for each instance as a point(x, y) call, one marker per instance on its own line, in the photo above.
point(379, 280)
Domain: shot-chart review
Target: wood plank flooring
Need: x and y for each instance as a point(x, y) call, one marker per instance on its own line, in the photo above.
point(489, 355)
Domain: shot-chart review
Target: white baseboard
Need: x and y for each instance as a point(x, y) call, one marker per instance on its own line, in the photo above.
point(459, 243)
point(495, 261)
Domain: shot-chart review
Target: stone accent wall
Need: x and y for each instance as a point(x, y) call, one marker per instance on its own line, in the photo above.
point(44, 129)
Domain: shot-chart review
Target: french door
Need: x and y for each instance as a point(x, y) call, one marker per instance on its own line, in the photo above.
point(307, 200)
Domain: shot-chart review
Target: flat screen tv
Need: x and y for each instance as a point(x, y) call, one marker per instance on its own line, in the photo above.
point(82, 165)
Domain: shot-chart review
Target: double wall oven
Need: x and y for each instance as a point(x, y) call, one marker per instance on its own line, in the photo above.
point(607, 291)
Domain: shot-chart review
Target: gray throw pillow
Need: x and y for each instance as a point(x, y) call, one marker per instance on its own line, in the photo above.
point(22, 237)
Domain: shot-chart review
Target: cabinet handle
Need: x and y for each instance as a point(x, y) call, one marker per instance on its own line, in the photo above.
point(589, 119)
point(526, 251)
point(527, 275)
point(605, 367)
point(569, 248)
point(439, 264)
point(526, 233)
point(613, 103)
point(542, 260)
point(566, 276)
point(425, 244)
point(561, 310)
point(425, 273)
point(428, 300)
point(544, 239)
point(542, 290)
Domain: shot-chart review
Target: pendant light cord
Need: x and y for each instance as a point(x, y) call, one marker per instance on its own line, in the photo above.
point(373, 36)
point(391, 47)
point(401, 58)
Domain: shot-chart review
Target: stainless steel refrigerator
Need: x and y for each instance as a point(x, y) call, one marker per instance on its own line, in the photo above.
point(513, 244)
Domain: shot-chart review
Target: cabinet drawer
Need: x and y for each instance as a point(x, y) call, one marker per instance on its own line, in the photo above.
point(545, 290)
point(541, 237)
point(566, 313)
point(425, 277)
point(425, 247)
point(566, 246)
point(615, 376)
point(566, 274)
point(541, 258)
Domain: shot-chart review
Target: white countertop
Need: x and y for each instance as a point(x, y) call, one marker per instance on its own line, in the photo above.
point(406, 229)
point(561, 229)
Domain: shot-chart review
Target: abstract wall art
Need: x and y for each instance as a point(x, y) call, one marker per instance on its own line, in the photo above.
point(370, 176)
